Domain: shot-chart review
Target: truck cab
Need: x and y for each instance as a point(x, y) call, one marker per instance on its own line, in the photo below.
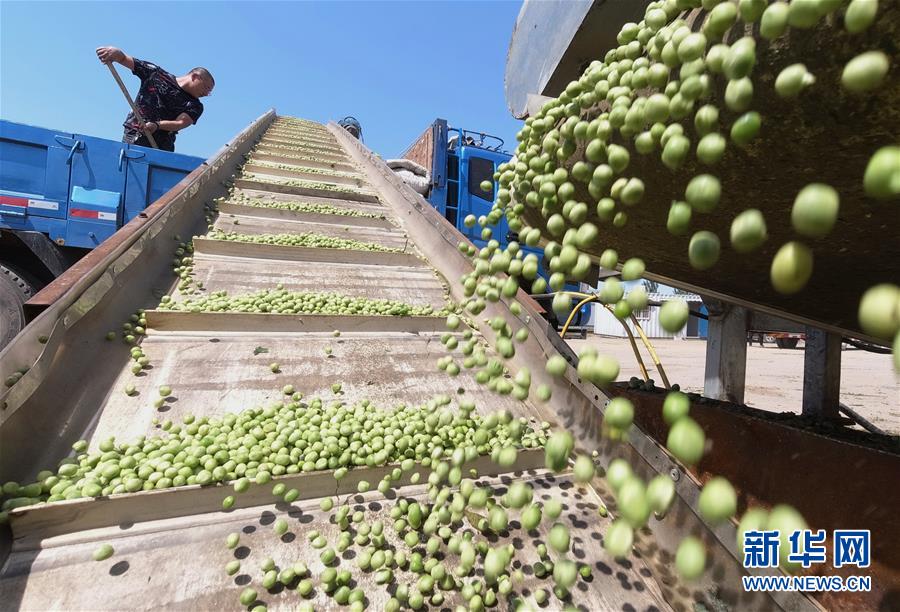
point(61, 195)
point(458, 161)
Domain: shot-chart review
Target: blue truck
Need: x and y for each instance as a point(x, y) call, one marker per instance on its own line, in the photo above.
point(458, 161)
point(61, 195)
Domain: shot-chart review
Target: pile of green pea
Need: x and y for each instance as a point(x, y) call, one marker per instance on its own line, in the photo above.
point(306, 169)
point(282, 301)
point(308, 207)
point(304, 239)
point(286, 437)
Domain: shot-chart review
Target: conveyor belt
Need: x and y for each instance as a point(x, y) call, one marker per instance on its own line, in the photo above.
point(169, 543)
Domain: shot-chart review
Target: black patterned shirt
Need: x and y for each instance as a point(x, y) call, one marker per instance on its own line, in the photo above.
point(159, 99)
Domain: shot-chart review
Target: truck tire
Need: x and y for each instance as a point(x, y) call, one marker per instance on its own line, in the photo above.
point(787, 343)
point(14, 292)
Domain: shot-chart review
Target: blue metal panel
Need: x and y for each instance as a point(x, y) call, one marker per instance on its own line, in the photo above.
point(703, 324)
point(34, 168)
point(95, 168)
point(149, 174)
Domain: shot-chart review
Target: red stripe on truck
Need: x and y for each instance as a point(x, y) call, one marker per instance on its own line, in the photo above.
point(11, 201)
point(84, 214)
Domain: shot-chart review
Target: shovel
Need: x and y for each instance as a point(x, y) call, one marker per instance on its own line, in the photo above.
point(134, 109)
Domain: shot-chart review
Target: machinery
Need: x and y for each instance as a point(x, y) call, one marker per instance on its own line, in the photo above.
point(211, 363)
point(198, 344)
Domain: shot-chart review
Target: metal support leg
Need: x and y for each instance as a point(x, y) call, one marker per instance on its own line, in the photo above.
point(822, 374)
point(726, 352)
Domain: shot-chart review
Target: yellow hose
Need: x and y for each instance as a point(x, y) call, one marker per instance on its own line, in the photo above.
point(637, 354)
point(634, 347)
point(652, 351)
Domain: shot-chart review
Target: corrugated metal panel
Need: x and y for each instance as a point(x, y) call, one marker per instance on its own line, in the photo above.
point(607, 324)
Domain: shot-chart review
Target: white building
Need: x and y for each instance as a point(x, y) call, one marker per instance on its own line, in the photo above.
point(606, 324)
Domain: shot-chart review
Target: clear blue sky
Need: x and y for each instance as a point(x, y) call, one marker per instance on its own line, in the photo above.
point(396, 66)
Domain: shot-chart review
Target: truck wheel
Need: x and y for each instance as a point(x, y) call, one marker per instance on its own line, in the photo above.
point(787, 343)
point(14, 292)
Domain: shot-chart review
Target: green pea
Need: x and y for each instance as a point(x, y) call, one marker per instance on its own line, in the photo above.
point(752, 10)
point(305, 587)
point(753, 520)
point(619, 413)
point(660, 493)
point(703, 250)
point(740, 59)
point(718, 500)
point(232, 540)
point(879, 310)
point(675, 406)
point(675, 151)
point(690, 558)
point(281, 527)
point(679, 219)
point(559, 538)
point(618, 539)
point(291, 496)
point(720, 19)
point(791, 267)
point(804, 13)
point(739, 94)
point(673, 315)
point(882, 176)
point(748, 231)
point(232, 567)
point(557, 449)
point(865, 72)
point(228, 503)
point(531, 517)
point(711, 148)
point(692, 47)
point(774, 20)
point(703, 192)
point(815, 210)
point(105, 551)
point(686, 441)
point(860, 15)
point(617, 158)
point(792, 80)
point(241, 485)
point(745, 128)
point(248, 596)
point(553, 508)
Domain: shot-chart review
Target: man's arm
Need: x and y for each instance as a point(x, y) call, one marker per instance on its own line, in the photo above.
point(179, 123)
point(114, 54)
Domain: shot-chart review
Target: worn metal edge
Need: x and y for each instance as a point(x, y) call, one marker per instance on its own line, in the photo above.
point(267, 212)
point(358, 196)
point(253, 250)
point(250, 322)
point(324, 177)
point(33, 524)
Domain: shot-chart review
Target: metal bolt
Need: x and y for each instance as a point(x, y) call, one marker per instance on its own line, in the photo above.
point(674, 474)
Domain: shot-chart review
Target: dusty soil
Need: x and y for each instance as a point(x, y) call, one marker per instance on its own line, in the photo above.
point(869, 384)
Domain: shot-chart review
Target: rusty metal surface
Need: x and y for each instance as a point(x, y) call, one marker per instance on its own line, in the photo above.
point(804, 469)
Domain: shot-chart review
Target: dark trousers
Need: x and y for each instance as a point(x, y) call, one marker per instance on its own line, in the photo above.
point(166, 144)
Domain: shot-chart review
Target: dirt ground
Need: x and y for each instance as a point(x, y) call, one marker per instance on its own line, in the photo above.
point(869, 384)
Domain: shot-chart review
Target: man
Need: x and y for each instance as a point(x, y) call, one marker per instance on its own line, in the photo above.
point(167, 103)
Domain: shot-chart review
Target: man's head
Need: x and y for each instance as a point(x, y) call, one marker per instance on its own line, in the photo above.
point(198, 82)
